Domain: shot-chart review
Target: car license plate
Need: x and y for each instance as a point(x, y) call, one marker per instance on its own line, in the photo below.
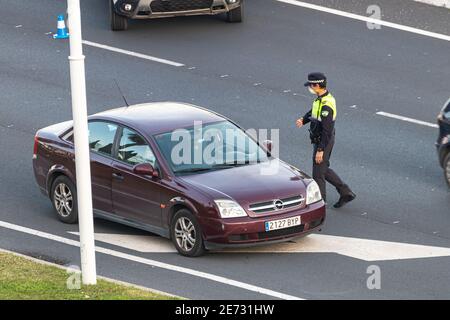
point(283, 223)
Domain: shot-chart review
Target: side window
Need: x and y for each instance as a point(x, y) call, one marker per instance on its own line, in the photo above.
point(101, 136)
point(68, 137)
point(134, 150)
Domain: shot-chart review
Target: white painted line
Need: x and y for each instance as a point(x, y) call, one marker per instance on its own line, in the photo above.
point(362, 249)
point(437, 3)
point(140, 243)
point(367, 19)
point(133, 54)
point(411, 120)
point(153, 263)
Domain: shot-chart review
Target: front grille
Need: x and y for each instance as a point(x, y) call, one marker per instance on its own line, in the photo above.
point(270, 206)
point(281, 232)
point(239, 237)
point(179, 5)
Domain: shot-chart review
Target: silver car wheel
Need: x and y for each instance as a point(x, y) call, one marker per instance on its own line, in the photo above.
point(185, 234)
point(447, 172)
point(63, 200)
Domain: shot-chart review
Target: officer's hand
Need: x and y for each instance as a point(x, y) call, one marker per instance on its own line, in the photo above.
point(319, 157)
point(299, 122)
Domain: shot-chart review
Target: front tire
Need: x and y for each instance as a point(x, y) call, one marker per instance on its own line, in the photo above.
point(447, 168)
point(64, 199)
point(118, 22)
point(186, 234)
point(235, 15)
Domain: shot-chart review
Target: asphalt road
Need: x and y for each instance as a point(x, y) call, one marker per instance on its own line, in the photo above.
point(253, 73)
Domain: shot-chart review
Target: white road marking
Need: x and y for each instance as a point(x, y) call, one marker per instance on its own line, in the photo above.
point(437, 3)
point(153, 263)
point(367, 19)
point(411, 120)
point(362, 249)
point(140, 243)
point(133, 54)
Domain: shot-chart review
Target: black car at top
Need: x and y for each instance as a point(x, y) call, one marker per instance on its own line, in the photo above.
point(123, 10)
point(443, 142)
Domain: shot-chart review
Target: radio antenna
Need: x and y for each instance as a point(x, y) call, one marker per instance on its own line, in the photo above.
point(121, 93)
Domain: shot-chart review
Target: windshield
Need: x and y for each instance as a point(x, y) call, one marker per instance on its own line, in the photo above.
point(213, 146)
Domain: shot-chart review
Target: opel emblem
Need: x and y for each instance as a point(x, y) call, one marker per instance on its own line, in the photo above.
point(279, 205)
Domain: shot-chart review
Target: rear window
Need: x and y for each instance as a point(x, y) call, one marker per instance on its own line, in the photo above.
point(68, 137)
point(101, 136)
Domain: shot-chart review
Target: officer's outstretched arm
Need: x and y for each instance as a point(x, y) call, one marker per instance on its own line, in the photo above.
point(307, 117)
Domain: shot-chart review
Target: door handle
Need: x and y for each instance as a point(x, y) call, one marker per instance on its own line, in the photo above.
point(118, 176)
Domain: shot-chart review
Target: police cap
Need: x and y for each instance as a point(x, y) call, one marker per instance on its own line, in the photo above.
point(316, 78)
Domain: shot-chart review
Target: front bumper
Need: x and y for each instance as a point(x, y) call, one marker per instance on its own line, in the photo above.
point(148, 9)
point(251, 231)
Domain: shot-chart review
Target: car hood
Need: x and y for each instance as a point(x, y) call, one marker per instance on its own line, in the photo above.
point(248, 185)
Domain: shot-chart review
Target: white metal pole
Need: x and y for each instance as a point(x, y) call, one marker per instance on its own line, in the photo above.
point(82, 161)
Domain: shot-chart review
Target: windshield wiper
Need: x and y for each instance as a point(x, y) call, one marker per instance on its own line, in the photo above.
point(213, 167)
point(233, 164)
point(218, 166)
point(189, 170)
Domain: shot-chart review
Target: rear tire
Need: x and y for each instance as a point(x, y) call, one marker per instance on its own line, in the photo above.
point(447, 169)
point(235, 15)
point(64, 199)
point(186, 234)
point(118, 22)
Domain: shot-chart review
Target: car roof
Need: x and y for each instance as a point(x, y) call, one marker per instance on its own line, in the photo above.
point(159, 117)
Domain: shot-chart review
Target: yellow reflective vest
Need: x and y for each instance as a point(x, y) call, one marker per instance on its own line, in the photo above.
point(328, 100)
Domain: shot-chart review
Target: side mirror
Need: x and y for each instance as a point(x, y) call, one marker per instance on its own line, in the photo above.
point(145, 169)
point(268, 145)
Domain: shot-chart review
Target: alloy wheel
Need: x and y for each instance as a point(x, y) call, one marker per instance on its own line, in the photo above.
point(447, 172)
point(63, 200)
point(185, 234)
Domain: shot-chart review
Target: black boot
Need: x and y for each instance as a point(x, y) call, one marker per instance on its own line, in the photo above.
point(343, 200)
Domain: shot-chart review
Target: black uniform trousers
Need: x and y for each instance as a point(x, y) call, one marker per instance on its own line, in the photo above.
point(322, 172)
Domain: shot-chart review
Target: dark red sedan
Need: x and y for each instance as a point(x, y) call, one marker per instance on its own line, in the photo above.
point(182, 172)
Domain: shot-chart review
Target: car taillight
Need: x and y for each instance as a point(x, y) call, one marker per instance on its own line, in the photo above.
point(35, 148)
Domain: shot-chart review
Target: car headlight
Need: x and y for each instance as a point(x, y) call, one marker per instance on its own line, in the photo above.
point(313, 193)
point(230, 209)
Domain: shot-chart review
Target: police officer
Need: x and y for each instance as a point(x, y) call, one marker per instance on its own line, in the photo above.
point(322, 117)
